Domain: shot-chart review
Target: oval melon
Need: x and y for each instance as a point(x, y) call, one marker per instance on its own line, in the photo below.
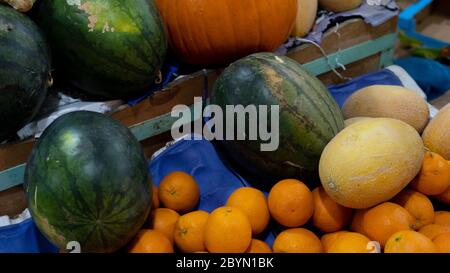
point(309, 117)
point(24, 71)
point(306, 16)
point(86, 180)
point(386, 101)
point(436, 136)
point(340, 5)
point(370, 162)
point(351, 121)
point(110, 49)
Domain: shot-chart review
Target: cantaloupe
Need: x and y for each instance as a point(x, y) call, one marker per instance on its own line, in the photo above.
point(306, 17)
point(340, 5)
point(386, 101)
point(437, 134)
point(351, 121)
point(370, 162)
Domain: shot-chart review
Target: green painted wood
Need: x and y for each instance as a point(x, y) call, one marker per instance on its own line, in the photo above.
point(351, 55)
point(14, 176)
point(387, 57)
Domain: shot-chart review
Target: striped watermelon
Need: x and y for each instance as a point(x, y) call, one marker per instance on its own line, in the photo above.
point(87, 181)
point(108, 48)
point(309, 116)
point(24, 70)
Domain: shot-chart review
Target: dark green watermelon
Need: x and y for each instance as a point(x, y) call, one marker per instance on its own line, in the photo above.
point(24, 70)
point(309, 116)
point(108, 48)
point(87, 181)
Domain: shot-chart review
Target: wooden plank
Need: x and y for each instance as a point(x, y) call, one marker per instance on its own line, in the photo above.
point(353, 54)
point(12, 201)
point(353, 70)
point(351, 33)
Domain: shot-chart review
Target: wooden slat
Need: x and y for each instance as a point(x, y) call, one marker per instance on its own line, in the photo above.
point(12, 201)
point(351, 33)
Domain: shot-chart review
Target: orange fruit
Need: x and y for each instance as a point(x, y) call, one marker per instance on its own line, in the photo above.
point(444, 197)
point(189, 231)
point(329, 238)
point(151, 241)
point(434, 177)
point(380, 222)
point(408, 241)
point(297, 240)
point(291, 203)
point(349, 242)
point(328, 215)
point(254, 204)
point(155, 199)
point(418, 205)
point(442, 218)
point(179, 191)
point(228, 230)
point(442, 243)
point(258, 246)
point(163, 220)
point(433, 230)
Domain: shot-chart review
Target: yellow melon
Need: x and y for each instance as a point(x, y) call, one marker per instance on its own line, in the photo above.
point(386, 101)
point(340, 5)
point(437, 134)
point(370, 162)
point(351, 121)
point(306, 17)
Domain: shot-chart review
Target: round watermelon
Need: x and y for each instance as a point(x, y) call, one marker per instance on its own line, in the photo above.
point(112, 49)
point(308, 116)
point(24, 70)
point(87, 181)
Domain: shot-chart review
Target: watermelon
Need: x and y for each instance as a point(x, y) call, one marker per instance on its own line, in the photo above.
point(111, 49)
point(24, 70)
point(308, 116)
point(87, 181)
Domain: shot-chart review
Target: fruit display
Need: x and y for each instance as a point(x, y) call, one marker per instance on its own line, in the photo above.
point(87, 181)
point(372, 176)
point(218, 32)
point(24, 49)
point(111, 49)
point(306, 17)
point(384, 101)
point(309, 116)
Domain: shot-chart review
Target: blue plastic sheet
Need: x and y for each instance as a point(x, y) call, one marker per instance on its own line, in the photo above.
point(343, 91)
point(200, 159)
point(432, 77)
point(24, 238)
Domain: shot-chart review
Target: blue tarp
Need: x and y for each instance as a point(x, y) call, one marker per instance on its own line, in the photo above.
point(199, 158)
point(432, 77)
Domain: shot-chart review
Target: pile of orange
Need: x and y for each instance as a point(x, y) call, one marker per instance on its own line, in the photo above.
point(407, 223)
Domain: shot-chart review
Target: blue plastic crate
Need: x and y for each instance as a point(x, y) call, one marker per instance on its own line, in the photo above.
point(407, 23)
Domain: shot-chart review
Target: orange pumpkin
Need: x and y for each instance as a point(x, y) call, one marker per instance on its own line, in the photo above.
point(217, 32)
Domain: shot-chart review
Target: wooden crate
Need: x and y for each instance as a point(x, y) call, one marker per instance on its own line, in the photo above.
point(359, 46)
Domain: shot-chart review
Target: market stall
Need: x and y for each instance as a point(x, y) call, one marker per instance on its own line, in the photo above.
point(336, 66)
